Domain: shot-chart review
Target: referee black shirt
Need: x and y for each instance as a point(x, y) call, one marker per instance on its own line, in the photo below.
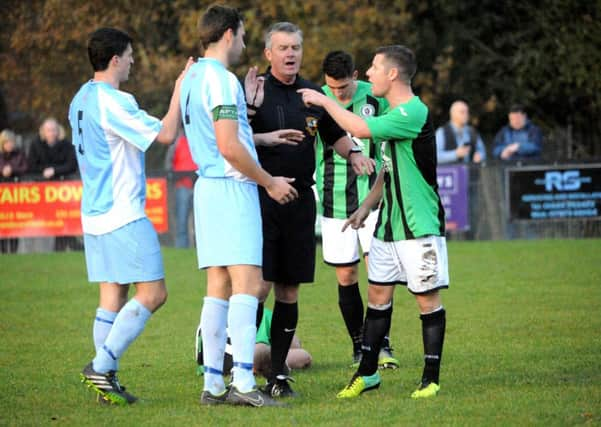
point(283, 108)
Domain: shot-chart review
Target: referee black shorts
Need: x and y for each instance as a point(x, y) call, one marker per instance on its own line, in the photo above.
point(288, 238)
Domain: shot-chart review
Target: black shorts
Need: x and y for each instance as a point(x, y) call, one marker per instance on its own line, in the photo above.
point(288, 238)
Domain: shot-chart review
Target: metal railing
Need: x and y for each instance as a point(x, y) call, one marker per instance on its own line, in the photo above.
point(488, 214)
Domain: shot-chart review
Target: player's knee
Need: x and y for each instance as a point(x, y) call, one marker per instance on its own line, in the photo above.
point(155, 299)
point(379, 295)
point(161, 297)
point(264, 289)
point(347, 275)
point(286, 293)
point(429, 302)
point(122, 301)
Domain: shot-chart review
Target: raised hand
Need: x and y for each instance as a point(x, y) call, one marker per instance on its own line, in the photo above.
point(181, 76)
point(253, 87)
point(312, 97)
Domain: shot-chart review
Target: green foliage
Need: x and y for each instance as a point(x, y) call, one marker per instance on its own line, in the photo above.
point(543, 54)
point(522, 346)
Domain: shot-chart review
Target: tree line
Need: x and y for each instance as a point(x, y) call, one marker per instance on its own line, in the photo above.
point(543, 54)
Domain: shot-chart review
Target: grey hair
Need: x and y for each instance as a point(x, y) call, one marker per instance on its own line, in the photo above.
point(281, 27)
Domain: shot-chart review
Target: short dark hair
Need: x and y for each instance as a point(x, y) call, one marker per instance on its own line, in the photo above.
point(338, 65)
point(403, 58)
point(104, 43)
point(517, 108)
point(216, 21)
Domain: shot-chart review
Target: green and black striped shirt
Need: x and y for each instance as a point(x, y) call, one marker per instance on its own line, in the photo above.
point(411, 206)
point(340, 190)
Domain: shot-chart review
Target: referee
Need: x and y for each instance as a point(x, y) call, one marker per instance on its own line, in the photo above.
point(288, 230)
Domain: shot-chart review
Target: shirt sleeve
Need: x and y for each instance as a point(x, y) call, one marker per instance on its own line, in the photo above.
point(125, 119)
point(223, 91)
point(329, 130)
point(397, 124)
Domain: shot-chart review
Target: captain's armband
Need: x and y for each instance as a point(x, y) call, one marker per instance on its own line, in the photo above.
point(226, 112)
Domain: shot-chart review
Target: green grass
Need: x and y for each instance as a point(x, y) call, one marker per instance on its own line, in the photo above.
point(522, 347)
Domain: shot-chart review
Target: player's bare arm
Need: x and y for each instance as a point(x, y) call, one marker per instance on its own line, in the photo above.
point(277, 137)
point(278, 188)
point(357, 219)
point(347, 149)
point(346, 120)
point(172, 120)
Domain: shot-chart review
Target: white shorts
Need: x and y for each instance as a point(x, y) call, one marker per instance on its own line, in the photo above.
point(420, 263)
point(342, 248)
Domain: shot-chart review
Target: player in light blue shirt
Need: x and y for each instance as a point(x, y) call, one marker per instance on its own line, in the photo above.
point(226, 207)
point(111, 134)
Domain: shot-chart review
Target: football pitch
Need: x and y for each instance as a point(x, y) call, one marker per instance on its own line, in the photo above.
point(522, 347)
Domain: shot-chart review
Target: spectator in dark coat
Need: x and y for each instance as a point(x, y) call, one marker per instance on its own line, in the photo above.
point(520, 139)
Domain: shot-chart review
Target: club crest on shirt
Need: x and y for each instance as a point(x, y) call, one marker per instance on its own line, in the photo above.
point(311, 125)
point(367, 110)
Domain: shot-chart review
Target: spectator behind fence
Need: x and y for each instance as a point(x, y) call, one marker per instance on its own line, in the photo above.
point(52, 155)
point(179, 159)
point(457, 141)
point(13, 163)
point(520, 139)
point(52, 158)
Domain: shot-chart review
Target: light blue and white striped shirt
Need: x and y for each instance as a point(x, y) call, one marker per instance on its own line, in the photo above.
point(110, 134)
point(208, 84)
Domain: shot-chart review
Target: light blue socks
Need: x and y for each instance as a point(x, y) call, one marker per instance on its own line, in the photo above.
point(242, 318)
point(102, 326)
point(128, 324)
point(213, 322)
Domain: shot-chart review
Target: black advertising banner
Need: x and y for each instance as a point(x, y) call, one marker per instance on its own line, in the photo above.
point(554, 192)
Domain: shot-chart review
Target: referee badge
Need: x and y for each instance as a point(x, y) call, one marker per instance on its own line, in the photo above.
point(311, 125)
point(367, 110)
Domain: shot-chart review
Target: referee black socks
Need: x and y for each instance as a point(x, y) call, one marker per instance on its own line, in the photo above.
point(283, 327)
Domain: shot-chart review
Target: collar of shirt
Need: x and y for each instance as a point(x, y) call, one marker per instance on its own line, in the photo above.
point(278, 82)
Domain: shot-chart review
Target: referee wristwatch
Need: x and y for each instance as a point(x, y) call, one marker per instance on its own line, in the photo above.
point(354, 149)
